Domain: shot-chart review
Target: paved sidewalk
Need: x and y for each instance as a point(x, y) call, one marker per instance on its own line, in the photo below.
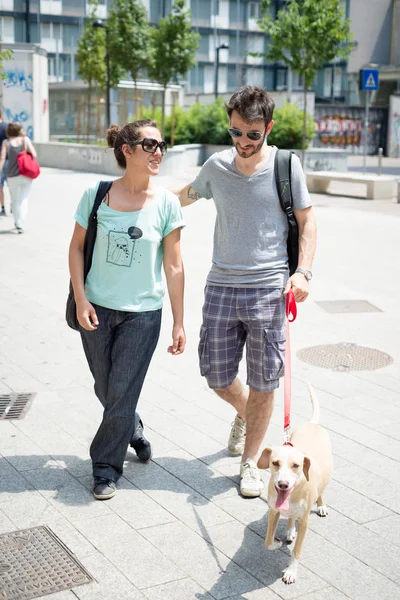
point(177, 527)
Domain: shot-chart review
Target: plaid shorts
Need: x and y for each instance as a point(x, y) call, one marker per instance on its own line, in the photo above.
point(233, 317)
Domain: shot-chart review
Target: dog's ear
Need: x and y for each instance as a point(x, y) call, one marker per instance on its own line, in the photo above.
point(306, 466)
point(263, 461)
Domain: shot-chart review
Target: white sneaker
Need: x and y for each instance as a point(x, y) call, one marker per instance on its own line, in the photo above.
point(237, 438)
point(251, 484)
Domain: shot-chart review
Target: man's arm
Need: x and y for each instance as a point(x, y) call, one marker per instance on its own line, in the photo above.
point(187, 195)
point(307, 242)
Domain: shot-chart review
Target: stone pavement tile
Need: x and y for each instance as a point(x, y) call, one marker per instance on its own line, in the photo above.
point(393, 430)
point(248, 511)
point(329, 593)
point(21, 452)
point(364, 457)
point(356, 540)
point(263, 594)
point(66, 595)
point(142, 563)
point(352, 576)
point(197, 475)
point(388, 528)
point(183, 589)
point(186, 437)
point(19, 380)
point(376, 488)
point(12, 482)
point(351, 504)
point(134, 506)
point(247, 549)
point(6, 524)
point(199, 560)
point(110, 582)
point(176, 497)
point(66, 493)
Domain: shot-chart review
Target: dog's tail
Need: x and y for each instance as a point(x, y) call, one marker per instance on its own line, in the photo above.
point(315, 405)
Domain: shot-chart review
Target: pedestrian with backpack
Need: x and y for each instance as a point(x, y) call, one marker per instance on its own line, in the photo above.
point(118, 304)
point(260, 235)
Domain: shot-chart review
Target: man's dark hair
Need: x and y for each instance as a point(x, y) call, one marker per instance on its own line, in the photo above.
point(252, 104)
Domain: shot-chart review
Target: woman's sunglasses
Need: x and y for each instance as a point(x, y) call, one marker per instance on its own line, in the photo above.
point(252, 135)
point(150, 145)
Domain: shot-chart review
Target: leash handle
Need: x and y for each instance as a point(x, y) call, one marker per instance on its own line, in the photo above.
point(291, 314)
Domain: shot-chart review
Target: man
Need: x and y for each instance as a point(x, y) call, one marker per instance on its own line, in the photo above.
point(3, 178)
point(246, 287)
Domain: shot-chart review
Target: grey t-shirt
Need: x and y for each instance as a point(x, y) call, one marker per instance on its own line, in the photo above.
point(251, 229)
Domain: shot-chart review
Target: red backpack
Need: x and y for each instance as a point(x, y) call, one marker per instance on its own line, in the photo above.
point(28, 166)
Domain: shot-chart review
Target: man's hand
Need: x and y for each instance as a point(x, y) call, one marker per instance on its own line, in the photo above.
point(299, 285)
point(178, 340)
point(86, 315)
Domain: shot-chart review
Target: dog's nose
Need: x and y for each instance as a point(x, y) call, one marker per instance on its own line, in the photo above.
point(283, 485)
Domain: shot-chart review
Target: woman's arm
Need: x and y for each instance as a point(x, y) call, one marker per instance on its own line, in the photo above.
point(29, 147)
point(174, 274)
point(3, 154)
point(84, 310)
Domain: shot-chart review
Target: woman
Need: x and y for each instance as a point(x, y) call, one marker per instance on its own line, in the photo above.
point(19, 185)
point(119, 306)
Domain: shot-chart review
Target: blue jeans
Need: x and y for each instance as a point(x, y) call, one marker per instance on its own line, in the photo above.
point(118, 352)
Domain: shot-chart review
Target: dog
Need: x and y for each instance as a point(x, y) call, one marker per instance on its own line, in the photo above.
point(300, 472)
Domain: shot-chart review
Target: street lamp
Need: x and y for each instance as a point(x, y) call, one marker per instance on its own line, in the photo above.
point(221, 47)
point(103, 25)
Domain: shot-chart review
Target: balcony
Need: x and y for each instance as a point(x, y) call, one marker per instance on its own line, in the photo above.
point(51, 7)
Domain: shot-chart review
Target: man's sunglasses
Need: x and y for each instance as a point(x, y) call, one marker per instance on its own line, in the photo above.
point(150, 145)
point(252, 135)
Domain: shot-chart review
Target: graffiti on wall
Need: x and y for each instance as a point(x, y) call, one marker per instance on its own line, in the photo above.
point(395, 135)
point(18, 94)
point(344, 129)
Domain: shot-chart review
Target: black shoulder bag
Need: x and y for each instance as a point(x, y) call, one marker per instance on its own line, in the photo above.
point(283, 172)
point(90, 239)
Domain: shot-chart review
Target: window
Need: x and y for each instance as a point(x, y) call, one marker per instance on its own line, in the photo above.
point(51, 31)
point(281, 79)
point(254, 11)
point(7, 29)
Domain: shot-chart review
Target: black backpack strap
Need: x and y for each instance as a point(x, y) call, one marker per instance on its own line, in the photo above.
point(91, 232)
point(283, 179)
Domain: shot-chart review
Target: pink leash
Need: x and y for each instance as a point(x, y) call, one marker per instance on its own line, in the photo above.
point(291, 314)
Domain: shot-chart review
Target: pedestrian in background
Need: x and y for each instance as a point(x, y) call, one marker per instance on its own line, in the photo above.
point(19, 185)
point(119, 306)
point(3, 176)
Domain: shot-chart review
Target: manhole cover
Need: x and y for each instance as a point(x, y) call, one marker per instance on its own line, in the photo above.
point(345, 357)
point(35, 563)
point(347, 306)
point(14, 406)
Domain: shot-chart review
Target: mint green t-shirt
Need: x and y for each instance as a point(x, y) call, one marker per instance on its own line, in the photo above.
point(127, 257)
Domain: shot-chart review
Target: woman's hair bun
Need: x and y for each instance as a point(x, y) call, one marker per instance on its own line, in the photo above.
point(112, 133)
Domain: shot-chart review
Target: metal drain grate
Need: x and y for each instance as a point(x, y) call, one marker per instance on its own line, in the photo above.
point(345, 357)
point(14, 406)
point(35, 563)
point(348, 306)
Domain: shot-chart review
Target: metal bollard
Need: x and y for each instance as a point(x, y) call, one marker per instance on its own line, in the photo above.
point(380, 154)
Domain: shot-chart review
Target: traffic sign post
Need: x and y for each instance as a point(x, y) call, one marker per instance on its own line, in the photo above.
point(369, 82)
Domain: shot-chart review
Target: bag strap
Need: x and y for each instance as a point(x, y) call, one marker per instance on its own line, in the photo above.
point(91, 232)
point(283, 178)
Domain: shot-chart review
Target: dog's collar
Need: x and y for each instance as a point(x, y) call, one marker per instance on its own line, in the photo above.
point(288, 444)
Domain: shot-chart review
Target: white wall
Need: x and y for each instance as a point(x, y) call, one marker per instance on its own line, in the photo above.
point(371, 25)
point(393, 149)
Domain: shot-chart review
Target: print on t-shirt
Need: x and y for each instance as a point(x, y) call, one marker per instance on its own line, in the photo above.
point(121, 245)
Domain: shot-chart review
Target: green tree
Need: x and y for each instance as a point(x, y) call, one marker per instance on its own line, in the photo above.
point(305, 35)
point(4, 55)
point(130, 39)
point(287, 131)
point(91, 56)
point(174, 49)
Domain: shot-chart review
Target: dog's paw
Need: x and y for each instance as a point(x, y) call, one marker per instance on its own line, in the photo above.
point(291, 535)
point(290, 573)
point(322, 511)
point(274, 545)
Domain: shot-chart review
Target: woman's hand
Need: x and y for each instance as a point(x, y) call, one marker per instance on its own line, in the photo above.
point(86, 315)
point(178, 340)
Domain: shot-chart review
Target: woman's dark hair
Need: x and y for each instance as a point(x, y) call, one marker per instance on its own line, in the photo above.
point(14, 129)
point(252, 104)
point(128, 134)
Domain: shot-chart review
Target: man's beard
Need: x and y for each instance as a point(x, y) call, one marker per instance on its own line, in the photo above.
point(251, 151)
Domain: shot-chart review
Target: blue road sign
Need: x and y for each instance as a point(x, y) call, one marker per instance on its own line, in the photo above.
point(369, 79)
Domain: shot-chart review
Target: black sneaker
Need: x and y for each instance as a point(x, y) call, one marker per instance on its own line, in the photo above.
point(141, 445)
point(3, 212)
point(103, 488)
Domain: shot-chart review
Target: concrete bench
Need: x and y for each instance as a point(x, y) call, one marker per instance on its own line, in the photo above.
point(378, 187)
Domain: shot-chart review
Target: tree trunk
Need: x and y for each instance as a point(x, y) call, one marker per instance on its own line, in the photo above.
point(163, 111)
point(304, 140)
point(88, 114)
